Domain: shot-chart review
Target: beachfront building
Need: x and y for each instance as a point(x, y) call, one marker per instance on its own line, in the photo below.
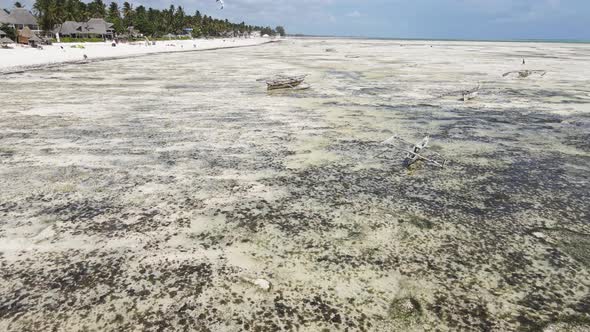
point(4, 41)
point(94, 28)
point(5, 18)
point(100, 27)
point(23, 22)
point(19, 18)
point(28, 37)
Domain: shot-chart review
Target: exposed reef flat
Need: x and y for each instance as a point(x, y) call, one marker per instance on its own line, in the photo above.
point(175, 193)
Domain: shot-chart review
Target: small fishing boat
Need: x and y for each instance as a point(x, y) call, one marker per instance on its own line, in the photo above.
point(415, 152)
point(471, 94)
point(525, 73)
point(413, 155)
point(284, 82)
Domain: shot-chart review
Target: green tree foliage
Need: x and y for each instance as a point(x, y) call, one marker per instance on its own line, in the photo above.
point(128, 15)
point(179, 21)
point(9, 30)
point(141, 20)
point(47, 13)
point(114, 16)
point(75, 10)
point(268, 31)
point(151, 22)
point(97, 9)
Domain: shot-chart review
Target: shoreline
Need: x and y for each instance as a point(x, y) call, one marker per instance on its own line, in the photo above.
point(215, 44)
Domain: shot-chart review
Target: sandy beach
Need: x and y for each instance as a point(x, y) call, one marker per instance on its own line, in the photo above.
point(20, 57)
point(173, 192)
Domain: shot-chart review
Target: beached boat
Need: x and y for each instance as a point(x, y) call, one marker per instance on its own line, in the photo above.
point(526, 73)
point(471, 94)
point(414, 152)
point(284, 82)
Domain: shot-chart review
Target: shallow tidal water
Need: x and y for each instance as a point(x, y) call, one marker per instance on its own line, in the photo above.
point(147, 194)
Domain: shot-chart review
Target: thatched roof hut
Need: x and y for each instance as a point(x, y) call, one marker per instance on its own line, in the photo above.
point(97, 26)
point(26, 32)
point(6, 40)
point(35, 40)
point(94, 27)
point(5, 17)
point(21, 18)
point(69, 28)
point(24, 35)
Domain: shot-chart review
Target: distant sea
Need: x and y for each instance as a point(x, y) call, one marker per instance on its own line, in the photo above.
point(562, 41)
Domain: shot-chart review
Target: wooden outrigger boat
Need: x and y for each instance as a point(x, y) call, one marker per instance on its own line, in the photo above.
point(466, 95)
point(471, 94)
point(525, 73)
point(414, 152)
point(284, 82)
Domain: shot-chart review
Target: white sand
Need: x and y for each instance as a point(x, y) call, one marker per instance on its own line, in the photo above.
point(26, 57)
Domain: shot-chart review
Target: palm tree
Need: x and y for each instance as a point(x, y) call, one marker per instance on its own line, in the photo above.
point(97, 9)
point(127, 14)
point(178, 20)
point(114, 16)
point(47, 13)
point(70, 11)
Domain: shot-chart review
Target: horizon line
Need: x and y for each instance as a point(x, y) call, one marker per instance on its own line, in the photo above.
point(548, 40)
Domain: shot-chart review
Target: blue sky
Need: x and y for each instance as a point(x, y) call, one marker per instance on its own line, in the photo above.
point(461, 19)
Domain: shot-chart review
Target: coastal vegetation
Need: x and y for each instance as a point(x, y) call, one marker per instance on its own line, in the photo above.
point(9, 30)
point(80, 40)
point(149, 21)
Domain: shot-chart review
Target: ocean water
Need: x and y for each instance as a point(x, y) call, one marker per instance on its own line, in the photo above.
point(537, 41)
point(154, 193)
